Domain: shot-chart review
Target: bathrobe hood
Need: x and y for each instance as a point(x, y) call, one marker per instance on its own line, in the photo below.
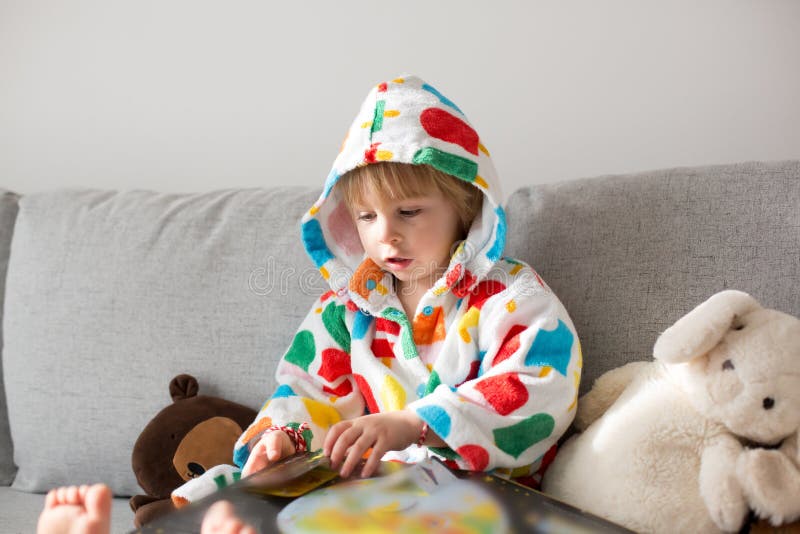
point(405, 120)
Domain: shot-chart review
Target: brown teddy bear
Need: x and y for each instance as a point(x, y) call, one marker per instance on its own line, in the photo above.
point(194, 433)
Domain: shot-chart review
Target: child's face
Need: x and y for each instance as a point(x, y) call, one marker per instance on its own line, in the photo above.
point(411, 238)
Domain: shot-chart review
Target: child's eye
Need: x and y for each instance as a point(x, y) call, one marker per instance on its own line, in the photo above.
point(410, 213)
point(366, 216)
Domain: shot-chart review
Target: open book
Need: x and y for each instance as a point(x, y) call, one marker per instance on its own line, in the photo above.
point(423, 497)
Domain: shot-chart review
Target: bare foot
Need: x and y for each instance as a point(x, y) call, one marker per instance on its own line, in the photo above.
point(221, 518)
point(76, 510)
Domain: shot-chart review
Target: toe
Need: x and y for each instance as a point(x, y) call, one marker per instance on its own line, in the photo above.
point(217, 518)
point(98, 509)
point(73, 496)
point(52, 499)
point(98, 501)
point(61, 495)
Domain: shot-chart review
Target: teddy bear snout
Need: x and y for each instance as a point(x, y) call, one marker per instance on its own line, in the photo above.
point(768, 403)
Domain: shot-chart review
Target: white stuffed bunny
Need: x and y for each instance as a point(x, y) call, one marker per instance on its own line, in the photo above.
point(771, 481)
point(673, 445)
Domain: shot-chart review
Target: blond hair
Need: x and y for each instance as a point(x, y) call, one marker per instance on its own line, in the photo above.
point(399, 181)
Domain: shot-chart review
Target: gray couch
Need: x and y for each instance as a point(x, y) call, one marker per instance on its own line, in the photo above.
point(108, 295)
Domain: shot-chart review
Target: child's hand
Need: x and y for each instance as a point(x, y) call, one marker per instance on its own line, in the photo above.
point(390, 431)
point(270, 448)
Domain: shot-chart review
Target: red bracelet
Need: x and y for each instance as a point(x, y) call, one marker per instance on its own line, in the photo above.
point(423, 434)
point(296, 436)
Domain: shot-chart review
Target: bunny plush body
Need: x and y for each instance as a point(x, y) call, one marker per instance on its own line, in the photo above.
point(692, 441)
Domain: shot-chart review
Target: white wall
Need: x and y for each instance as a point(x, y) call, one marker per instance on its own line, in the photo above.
point(189, 95)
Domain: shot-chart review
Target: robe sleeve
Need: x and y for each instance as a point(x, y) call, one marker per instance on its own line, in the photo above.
point(528, 372)
point(315, 381)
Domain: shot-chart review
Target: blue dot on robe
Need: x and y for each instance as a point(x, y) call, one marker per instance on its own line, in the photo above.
point(314, 242)
point(283, 391)
point(443, 99)
point(437, 419)
point(552, 348)
point(496, 251)
point(361, 324)
point(240, 456)
point(333, 177)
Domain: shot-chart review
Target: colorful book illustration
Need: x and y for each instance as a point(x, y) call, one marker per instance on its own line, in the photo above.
point(422, 498)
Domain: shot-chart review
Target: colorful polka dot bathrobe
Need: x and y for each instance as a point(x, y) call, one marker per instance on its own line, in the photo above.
point(490, 359)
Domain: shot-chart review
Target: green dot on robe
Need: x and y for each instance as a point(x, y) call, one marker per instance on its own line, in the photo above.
point(447, 452)
point(333, 319)
point(406, 335)
point(517, 438)
point(433, 382)
point(303, 350)
point(377, 118)
point(407, 341)
point(307, 434)
point(449, 163)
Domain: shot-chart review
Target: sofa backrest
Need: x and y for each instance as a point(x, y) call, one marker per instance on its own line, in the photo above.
point(629, 255)
point(111, 294)
point(8, 214)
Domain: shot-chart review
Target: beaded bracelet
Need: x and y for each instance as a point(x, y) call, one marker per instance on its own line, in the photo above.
point(423, 434)
point(296, 436)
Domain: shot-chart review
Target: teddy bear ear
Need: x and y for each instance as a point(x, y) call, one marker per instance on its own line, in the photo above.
point(703, 328)
point(182, 387)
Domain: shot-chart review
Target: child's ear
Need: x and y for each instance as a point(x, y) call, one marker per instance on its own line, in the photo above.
point(703, 328)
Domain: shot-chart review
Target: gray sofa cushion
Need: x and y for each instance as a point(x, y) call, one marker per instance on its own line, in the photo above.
point(110, 295)
point(8, 214)
point(629, 255)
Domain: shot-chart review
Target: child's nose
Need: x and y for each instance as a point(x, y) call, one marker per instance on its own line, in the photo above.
point(389, 233)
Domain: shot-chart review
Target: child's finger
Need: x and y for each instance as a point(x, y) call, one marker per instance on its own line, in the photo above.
point(257, 459)
point(378, 450)
point(274, 445)
point(354, 455)
point(333, 436)
point(288, 445)
point(344, 442)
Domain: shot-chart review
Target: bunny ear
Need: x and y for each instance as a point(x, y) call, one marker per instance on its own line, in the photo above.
point(702, 329)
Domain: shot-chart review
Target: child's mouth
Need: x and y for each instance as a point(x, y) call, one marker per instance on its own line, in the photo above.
point(398, 263)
